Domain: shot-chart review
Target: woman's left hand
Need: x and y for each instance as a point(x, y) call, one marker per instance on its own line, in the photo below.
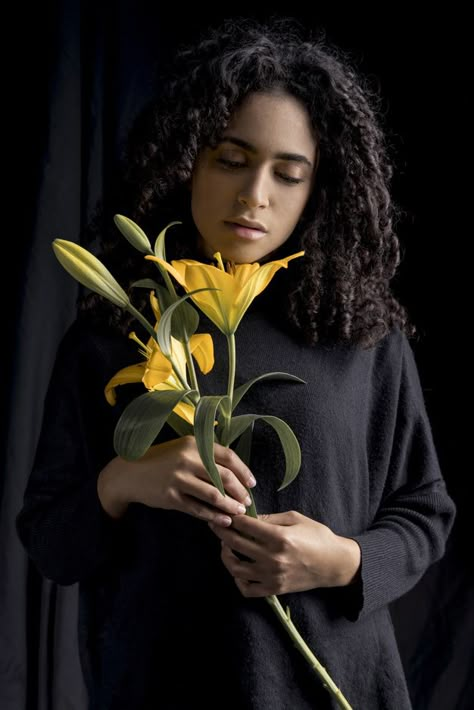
point(289, 553)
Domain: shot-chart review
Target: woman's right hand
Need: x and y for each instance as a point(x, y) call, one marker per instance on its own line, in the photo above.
point(172, 476)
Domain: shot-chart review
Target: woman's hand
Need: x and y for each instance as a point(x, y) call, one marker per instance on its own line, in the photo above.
point(172, 476)
point(289, 553)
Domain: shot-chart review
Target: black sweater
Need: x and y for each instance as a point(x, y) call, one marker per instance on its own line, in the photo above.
point(161, 621)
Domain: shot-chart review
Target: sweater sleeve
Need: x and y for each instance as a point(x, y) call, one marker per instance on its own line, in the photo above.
point(62, 524)
point(416, 514)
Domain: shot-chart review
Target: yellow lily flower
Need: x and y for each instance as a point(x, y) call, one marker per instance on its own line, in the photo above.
point(238, 285)
point(156, 371)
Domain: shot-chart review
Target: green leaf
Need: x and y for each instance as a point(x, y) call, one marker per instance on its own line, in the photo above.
point(244, 445)
point(239, 392)
point(142, 421)
point(204, 419)
point(160, 242)
point(165, 299)
point(133, 233)
point(243, 450)
point(163, 334)
point(181, 427)
point(146, 283)
point(288, 440)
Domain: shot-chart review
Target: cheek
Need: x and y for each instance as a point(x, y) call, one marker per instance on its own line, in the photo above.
point(294, 207)
point(206, 191)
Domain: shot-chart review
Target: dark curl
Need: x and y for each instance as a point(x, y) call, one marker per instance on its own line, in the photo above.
point(340, 290)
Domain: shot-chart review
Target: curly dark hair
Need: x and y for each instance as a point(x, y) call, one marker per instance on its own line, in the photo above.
point(341, 289)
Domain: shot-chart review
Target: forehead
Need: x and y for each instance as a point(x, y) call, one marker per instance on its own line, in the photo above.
point(274, 122)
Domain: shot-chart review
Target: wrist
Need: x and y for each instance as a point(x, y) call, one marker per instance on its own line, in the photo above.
point(111, 491)
point(349, 561)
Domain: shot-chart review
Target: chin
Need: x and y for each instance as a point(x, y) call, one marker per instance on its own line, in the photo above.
point(244, 254)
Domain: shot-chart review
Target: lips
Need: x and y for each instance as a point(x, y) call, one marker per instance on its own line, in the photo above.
point(244, 232)
point(248, 224)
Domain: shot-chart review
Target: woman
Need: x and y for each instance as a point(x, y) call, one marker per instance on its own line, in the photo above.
point(263, 144)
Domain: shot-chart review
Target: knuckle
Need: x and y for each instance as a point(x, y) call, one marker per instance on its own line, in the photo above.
point(201, 512)
point(173, 495)
point(279, 585)
point(230, 458)
point(225, 474)
point(179, 478)
point(278, 566)
point(215, 497)
point(281, 544)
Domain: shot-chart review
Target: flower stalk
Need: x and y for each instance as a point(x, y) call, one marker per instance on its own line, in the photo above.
point(285, 619)
point(227, 413)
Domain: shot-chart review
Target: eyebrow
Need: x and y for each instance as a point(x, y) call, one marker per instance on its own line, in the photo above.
point(295, 157)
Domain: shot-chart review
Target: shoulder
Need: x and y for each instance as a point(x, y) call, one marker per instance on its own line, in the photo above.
point(393, 350)
point(395, 364)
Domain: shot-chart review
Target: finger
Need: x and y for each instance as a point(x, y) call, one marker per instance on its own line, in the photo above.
point(289, 517)
point(207, 493)
point(229, 459)
point(249, 589)
point(200, 510)
point(259, 528)
point(237, 542)
point(231, 484)
point(238, 568)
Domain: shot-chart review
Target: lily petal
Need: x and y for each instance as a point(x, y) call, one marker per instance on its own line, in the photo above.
point(202, 348)
point(174, 272)
point(158, 368)
point(132, 373)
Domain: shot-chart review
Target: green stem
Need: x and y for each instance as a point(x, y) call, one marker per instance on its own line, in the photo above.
point(141, 318)
point(168, 282)
point(303, 648)
point(191, 368)
point(227, 414)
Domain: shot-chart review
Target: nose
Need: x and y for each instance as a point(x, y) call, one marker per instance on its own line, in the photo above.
point(255, 192)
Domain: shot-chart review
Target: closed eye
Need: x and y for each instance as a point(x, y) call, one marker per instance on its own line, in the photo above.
point(234, 164)
point(230, 163)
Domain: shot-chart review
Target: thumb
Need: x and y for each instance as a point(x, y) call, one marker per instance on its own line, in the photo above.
point(287, 518)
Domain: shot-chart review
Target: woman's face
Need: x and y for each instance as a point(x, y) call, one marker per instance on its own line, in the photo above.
point(260, 174)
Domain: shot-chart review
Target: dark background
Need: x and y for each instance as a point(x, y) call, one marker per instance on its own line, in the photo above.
point(81, 71)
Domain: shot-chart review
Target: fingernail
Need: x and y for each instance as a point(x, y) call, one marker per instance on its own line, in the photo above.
point(248, 500)
point(241, 508)
point(223, 520)
point(252, 481)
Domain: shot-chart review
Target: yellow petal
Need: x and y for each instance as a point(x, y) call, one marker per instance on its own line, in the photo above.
point(157, 369)
point(185, 411)
point(178, 354)
point(215, 304)
point(257, 282)
point(132, 373)
point(202, 348)
point(174, 272)
point(243, 272)
point(155, 307)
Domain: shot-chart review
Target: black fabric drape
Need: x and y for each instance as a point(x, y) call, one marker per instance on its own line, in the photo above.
point(96, 61)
